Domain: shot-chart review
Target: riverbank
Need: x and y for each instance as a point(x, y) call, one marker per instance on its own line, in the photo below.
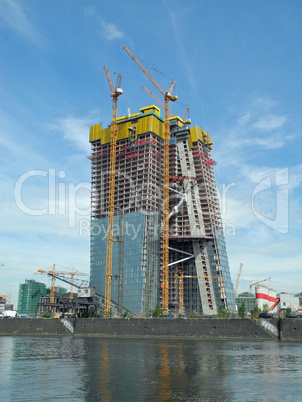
point(202, 328)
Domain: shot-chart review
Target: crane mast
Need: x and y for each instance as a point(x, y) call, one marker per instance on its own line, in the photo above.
point(115, 93)
point(238, 277)
point(166, 136)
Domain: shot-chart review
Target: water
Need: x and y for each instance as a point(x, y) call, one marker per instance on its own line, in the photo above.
point(96, 369)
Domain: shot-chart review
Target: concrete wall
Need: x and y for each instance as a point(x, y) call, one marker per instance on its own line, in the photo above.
point(204, 328)
point(32, 326)
point(156, 327)
point(290, 329)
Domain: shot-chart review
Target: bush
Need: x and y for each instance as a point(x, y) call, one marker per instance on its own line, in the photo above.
point(46, 315)
point(157, 312)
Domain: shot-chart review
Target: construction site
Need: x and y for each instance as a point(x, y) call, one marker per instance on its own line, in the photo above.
point(154, 195)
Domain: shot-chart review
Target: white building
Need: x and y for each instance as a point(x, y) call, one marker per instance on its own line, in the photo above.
point(265, 296)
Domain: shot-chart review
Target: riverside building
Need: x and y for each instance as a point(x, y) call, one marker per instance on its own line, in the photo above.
point(199, 274)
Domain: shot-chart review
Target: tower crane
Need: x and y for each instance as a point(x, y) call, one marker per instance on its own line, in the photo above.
point(180, 277)
point(156, 99)
point(185, 113)
point(256, 283)
point(115, 93)
point(53, 274)
point(166, 134)
point(238, 277)
point(162, 105)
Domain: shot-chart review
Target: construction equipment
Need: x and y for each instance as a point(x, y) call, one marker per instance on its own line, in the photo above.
point(162, 105)
point(166, 134)
point(185, 113)
point(115, 93)
point(238, 277)
point(256, 283)
point(156, 99)
point(53, 274)
point(180, 277)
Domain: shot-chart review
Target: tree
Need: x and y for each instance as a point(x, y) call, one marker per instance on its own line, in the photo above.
point(222, 312)
point(255, 312)
point(265, 308)
point(241, 310)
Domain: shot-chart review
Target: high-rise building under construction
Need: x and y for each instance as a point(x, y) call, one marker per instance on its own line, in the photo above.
point(199, 274)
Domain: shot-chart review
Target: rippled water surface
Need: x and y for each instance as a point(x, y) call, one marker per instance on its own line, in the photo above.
point(95, 369)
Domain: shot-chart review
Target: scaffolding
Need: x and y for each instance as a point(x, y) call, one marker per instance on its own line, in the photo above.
point(195, 225)
point(30, 294)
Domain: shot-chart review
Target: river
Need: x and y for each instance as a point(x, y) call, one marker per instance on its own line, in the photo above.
point(100, 369)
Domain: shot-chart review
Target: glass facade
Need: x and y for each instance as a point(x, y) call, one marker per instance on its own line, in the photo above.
point(30, 294)
point(135, 260)
point(225, 269)
point(248, 299)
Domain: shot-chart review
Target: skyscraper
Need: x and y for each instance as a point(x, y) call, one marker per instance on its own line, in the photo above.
point(199, 275)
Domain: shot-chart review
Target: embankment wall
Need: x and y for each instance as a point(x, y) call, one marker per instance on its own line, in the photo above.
point(290, 329)
point(203, 328)
point(138, 327)
point(157, 327)
point(32, 326)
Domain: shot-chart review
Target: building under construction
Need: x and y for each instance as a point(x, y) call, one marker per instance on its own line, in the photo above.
point(199, 274)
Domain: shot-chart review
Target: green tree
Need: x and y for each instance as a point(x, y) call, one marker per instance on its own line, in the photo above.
point(288, 311)
point(255, 312)
point(265, 308)
point(222, 312)
point(241, 310)
point(157, 312)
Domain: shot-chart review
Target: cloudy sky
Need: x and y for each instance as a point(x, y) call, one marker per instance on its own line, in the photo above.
point(236, 64)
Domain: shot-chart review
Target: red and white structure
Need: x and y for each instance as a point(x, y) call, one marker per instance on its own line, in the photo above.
point(265, 296)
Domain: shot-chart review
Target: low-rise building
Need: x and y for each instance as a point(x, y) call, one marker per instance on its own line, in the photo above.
point(248, 299)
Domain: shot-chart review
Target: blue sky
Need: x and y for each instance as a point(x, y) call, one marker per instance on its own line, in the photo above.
point(236, 64)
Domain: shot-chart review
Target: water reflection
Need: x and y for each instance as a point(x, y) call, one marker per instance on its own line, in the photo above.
point(94, 369)
point(164, 375)
point(104, 373)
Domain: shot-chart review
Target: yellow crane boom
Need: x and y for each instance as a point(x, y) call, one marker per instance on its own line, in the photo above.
point(166, 134)
point(115, 93)
point(156, 99)
point(185, 113)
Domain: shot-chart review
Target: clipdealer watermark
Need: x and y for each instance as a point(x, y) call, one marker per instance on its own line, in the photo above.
point(63, 199)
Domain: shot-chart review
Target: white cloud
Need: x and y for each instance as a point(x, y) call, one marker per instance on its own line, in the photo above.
point(270, 122)
point(264, 104)
point(75, 130)
point(13, 14)
point(111, 31)
point(256, 128)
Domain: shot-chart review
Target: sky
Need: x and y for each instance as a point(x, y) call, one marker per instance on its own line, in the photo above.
point(237, 65)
